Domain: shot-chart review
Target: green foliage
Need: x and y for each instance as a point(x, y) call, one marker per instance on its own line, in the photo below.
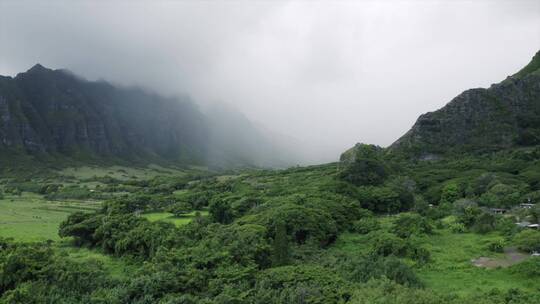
point(501, 195)
point(306, 283)
point(280, 245)
point(496, 245)
point(386, 244)
point(366, 168)
point(484, 222)
point(221, 211)
point(528, 240)
point(529, 268)
point(376, 267)
point(408, 224)
point(450, 193)
point(279, 236)
point(366, 225)
point(180, 208)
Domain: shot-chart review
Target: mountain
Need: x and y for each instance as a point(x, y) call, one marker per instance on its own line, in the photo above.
point(46, 112)
point(480, 120)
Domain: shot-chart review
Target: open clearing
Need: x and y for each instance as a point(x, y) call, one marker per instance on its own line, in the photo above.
point(119, 172)
point(29, 217)
point(511, 256)
point(169, 217)
point(450, 269)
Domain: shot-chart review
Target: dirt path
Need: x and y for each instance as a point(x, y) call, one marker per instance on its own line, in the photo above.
point(512, 256)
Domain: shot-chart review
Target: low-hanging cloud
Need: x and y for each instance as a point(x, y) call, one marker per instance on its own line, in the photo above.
point(328, 73)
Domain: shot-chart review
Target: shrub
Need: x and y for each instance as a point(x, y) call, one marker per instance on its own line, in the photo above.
point(375, 267)
point(529, 267)
point(366, 225)
point(385, 244)
point(408, 224)
point(457, 227)
point(484, 223)
point(496, 245)
point(528, 240)
point(300, 284)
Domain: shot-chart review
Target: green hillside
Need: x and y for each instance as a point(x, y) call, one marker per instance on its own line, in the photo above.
point(446, 215)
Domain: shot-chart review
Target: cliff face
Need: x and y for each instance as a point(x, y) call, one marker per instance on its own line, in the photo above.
point(481, 120)
point(54, 112)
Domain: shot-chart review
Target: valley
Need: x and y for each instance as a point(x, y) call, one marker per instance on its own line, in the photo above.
point(116, 194)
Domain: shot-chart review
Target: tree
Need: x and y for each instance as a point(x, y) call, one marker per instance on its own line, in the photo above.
point(535, 213)
point(411, 224)
point(528, 240)
point(220, 211)
point(366, 225)
point(81, 226)
point(484, 222)
point(366, 168)
point(280, 246)
point(180, 208)
point(501, 195)
point(450, 193)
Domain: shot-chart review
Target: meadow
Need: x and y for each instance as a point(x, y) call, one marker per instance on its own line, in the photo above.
point(29, 217)
point(32, 217)
point(171, 218)
point(451, 269)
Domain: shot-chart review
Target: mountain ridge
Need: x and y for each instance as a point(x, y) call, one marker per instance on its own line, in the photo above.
point(45, 112)
point(505, 115)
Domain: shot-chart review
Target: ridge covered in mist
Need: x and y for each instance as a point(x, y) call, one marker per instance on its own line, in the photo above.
point(54, 113)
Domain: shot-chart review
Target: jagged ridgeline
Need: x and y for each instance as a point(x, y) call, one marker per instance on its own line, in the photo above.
point(53, 112)
point(506, 115)
point(49, 114)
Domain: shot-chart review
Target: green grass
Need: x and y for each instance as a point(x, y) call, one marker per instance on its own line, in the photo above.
point(169, 217)
point(116, 267)
point(29, 217)
point(451, 270)
point(119, 172)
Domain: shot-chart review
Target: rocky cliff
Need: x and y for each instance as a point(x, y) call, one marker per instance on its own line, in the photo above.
point(481, 120)
point(54, 112)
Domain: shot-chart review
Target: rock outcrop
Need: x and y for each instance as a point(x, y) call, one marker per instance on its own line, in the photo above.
point(480, 120)
point(54, 112)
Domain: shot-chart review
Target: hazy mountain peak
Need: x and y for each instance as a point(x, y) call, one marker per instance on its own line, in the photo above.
point(38, 68)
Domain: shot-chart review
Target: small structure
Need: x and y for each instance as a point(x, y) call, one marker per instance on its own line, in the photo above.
point(535, 254)
point(534, 226)
point(528, 225)
point(526, 206)
point(498, 210)
point(523, 224)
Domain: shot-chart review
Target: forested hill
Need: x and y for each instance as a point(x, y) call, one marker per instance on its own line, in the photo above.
point(503, 116)
point(46, 112)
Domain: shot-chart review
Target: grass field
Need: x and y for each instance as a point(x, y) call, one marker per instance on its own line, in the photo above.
point(450, 269)
point(29, 217)
point(118, 268)
point(120, 172)
point(169, 217)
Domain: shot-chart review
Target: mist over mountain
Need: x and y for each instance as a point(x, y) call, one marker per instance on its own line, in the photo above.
point(46, 112)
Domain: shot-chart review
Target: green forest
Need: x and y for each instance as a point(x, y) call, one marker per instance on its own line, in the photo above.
point(249, 152)
point(372, 228)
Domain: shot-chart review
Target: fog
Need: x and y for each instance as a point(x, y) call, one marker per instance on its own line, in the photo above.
point(324, 74)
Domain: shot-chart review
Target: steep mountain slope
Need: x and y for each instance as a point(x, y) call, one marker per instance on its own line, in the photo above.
point(48, 112)
point(45, 111)
point(481, 120)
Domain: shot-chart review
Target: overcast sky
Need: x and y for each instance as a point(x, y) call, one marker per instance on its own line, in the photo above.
point(331, 73)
